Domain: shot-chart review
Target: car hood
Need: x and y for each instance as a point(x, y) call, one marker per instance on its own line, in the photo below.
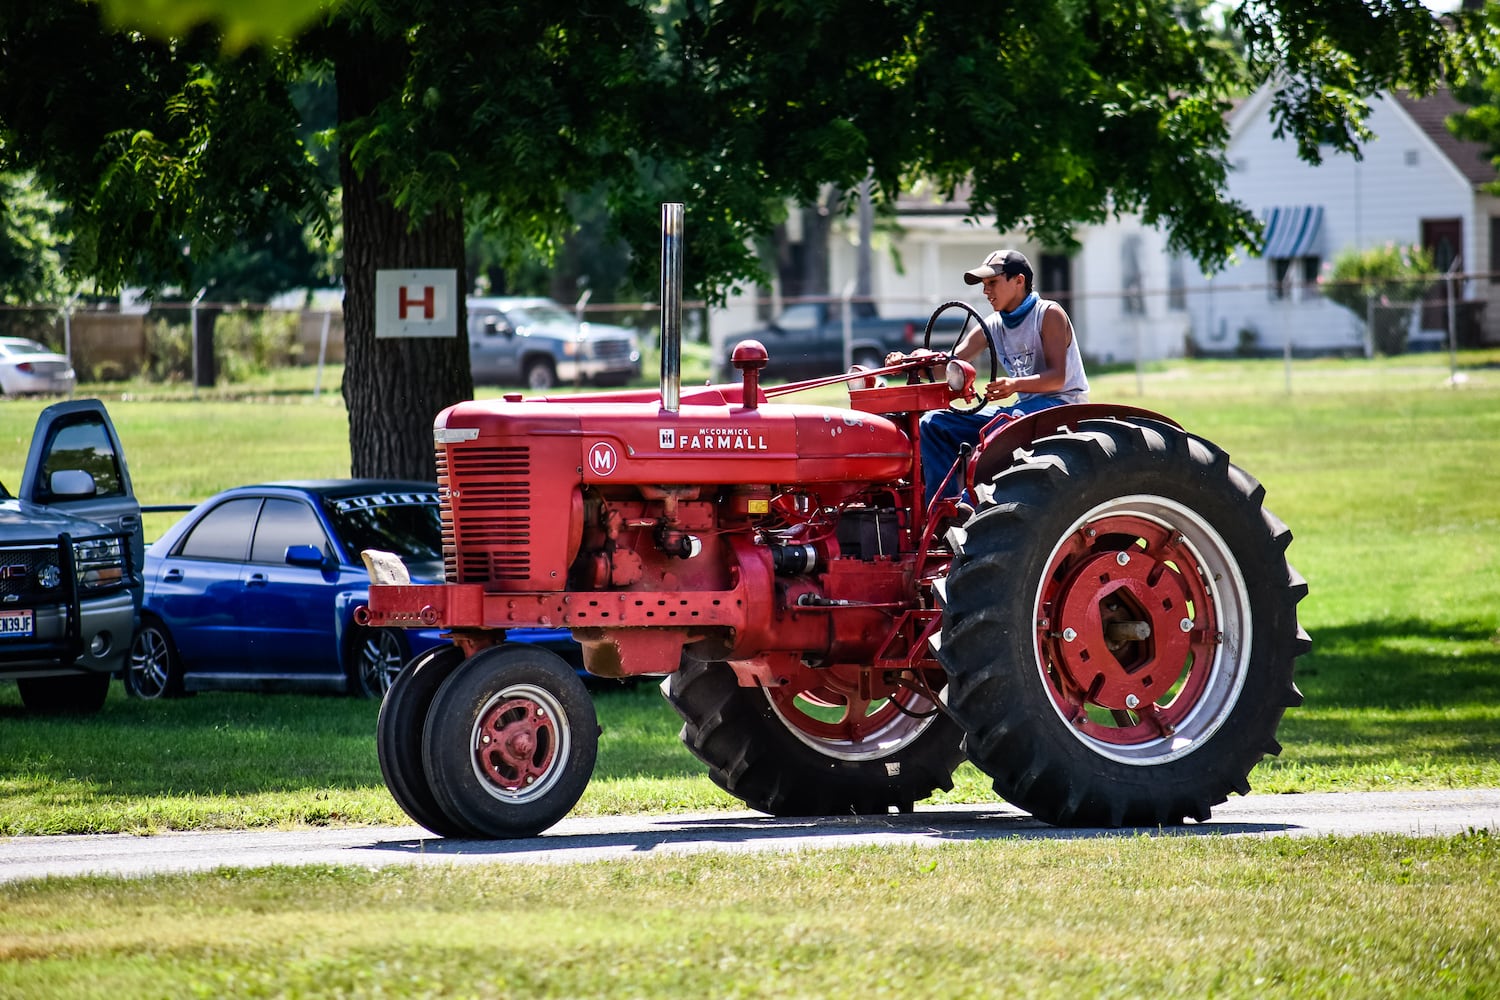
point(20, 519)
point(568, 331)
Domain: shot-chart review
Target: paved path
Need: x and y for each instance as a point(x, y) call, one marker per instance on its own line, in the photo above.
point(624, 837)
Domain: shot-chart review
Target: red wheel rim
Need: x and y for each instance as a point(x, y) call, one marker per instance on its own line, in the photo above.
point(837, 719)
point(516, 742)
point(1127, 630)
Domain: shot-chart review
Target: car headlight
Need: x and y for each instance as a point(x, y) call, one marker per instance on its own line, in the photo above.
point(99, 563)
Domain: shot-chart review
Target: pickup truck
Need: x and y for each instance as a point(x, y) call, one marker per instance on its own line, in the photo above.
point(807, 339)
point(538, 343)
point(71, 550)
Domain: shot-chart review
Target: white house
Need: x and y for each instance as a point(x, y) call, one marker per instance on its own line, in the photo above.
point(1415, 185)
point(1122, 290)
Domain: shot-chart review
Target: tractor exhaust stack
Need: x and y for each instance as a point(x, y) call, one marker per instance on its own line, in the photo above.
point(671, 305)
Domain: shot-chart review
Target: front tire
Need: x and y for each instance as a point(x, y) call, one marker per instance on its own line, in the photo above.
point(398, 739)
point(1120, 627)
point(510, 741)
point(813, 753)
point(154, 670)
point(540, 375)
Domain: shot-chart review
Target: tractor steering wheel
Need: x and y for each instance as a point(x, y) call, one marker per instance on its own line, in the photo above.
point(988, 339)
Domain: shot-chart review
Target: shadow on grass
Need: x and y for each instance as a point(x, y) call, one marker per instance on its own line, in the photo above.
point(233, 744)
point(1402, 664)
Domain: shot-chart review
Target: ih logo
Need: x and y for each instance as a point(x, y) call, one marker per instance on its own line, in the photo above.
point(665, 437)
point(602, 458)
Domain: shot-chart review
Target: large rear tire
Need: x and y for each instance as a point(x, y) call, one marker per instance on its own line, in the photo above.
point(813, 753)
point(398, 739)
point(1120, 627)
point(510, 741)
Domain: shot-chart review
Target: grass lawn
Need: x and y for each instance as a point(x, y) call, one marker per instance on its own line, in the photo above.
point(1385, 470)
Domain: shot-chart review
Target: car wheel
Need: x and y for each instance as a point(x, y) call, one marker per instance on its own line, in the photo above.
point(379, 654)
point(540, 375)
point(154, 670)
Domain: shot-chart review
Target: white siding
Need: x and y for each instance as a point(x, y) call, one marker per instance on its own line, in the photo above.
point(1383, 198)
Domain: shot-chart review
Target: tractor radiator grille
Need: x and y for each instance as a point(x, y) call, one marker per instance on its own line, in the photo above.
point(487, 517)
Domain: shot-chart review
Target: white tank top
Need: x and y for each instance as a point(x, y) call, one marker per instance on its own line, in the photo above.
point(1021, 353)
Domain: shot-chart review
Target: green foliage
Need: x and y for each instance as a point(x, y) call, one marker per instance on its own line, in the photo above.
point(1383, 283)
point(1478, 85)
point(32, 242)
point(246, 345)
point(249, 344)
point(243, 22)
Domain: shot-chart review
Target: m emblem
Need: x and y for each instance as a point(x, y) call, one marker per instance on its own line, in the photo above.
point(602, 458)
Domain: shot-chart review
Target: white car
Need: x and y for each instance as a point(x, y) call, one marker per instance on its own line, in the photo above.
point(29, 367)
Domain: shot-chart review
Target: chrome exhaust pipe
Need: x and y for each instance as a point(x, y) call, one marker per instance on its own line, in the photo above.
point(671, 305)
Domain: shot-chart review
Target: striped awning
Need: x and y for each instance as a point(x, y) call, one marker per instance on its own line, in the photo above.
point(1293, 231)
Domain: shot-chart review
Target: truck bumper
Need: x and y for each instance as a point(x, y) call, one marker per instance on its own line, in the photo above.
point(599, 369)
point(106, 629)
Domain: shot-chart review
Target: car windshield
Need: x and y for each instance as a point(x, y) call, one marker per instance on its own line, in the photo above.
point(404, 523)
point(12, 347)
point(544, 312)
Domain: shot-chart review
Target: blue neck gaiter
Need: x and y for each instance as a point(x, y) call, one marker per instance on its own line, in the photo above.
point(1013, 318)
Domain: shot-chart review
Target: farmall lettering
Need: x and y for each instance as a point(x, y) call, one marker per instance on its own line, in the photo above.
point(717, 439)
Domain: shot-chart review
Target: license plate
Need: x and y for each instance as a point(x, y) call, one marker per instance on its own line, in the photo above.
point(17, 623)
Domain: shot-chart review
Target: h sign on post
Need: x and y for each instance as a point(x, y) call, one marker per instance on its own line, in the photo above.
point(416, 303)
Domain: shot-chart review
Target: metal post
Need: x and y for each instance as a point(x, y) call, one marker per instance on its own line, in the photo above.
point(1453, 322)
point(193, 333)
point(578, 308)
point(1286, 351)
point(846, 302)
point(671, 305)
point(322, 352)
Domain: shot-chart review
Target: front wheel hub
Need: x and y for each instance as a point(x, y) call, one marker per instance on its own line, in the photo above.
point(516, 743)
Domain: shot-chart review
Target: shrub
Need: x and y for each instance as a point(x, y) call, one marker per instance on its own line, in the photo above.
point(248, 344)
point(1381, 283)
point(169, 351)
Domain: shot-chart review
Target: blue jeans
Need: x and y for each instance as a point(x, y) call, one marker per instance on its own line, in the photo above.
point(943, 432)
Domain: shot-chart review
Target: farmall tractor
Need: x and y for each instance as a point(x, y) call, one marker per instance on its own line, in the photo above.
point(1110, 636)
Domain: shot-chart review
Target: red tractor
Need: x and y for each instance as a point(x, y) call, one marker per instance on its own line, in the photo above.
point(1110, 636)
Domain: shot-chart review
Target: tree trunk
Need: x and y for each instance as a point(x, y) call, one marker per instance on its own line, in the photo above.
point(393, 388)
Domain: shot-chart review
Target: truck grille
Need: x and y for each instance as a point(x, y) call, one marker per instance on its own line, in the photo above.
point(486, 513)
point(22, 571)
point(612, 348)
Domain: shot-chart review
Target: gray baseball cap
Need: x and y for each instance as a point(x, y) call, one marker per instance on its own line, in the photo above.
point(1007, 262)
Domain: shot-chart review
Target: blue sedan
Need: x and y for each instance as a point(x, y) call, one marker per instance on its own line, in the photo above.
point(255, 589)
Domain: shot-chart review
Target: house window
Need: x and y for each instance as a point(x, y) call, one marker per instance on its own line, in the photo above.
point(1303, 269)
point(1176, 286)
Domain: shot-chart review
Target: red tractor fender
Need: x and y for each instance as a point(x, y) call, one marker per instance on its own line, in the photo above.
point(1001, 438)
